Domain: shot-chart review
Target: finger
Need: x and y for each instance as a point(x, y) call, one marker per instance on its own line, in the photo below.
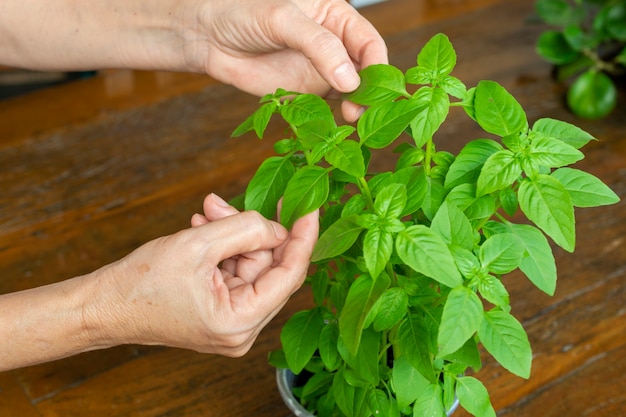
point(235, 235)
point(323, 47)
point(198, 220)
point(216, 208)
point(278, 284)
point(351, 111)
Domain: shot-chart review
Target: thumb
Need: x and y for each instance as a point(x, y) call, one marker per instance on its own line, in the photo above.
point(238, 234)
point(294, 256)
point(323, 48)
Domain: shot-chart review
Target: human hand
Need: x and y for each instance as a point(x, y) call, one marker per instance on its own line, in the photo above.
point(300, 45)
point(211, 288)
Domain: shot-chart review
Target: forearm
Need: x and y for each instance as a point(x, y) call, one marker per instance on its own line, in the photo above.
point(49, 323)
point(93, 34)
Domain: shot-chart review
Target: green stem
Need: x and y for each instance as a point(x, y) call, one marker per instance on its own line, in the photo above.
point(428, 156)
point(367, 193)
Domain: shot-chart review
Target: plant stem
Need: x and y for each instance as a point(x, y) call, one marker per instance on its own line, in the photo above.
point(428, 156)
point(367, 193)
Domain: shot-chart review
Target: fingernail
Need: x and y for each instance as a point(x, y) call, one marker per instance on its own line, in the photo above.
point(346, 78)
point(219, 201)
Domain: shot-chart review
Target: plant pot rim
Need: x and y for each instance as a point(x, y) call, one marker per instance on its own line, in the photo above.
point(284, 380)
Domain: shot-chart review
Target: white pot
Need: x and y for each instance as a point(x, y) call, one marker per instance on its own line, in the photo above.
point(284, 380)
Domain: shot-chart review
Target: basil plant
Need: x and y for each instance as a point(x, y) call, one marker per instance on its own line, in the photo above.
point(586, 42)
point(407, 276)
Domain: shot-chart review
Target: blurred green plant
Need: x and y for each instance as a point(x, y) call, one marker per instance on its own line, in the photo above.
point(587, 45)
point(408, 266)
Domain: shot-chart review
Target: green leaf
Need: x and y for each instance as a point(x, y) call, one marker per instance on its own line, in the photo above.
point(425, 252)
point(504, 338)
point(462, 196)
point(468, 355)
point(563, 131)
point(337, 239)
point(501, 253)
point(379, 403)
point(552, 153)
point(363, 365)
point(317, 384)
point(268, 185)
point(438, 55)
point(585, 189)
point(474, 397)
point(538, 264)
point(554, 48)
point(466, 261)
point(435, 195)
point(412, 344)
point(305, 108)
point(306, 191)
point(546, 202)
point(277, 359)
point(416, 183)
point(390, 201)
point(429, 402)
point(380, 83)
point(454, 87)
point(577, 38)
point(379, 126)
point(300, 337)
point(500, 170)
point(390, 308)
point(409, 157)
point(313, 132)
point(552, 11)
point(508, 200)
point(497, 111)
point(329, 337)
point(408, 382)
point(363, 294)
point(493, 290)
point(462, 315)
point(467, 164)
point(347, 156)
point(377, 249)
point(257, 121)
point(482, 208)
point(435, 106)
point(453, 226)
point(420, 76)
point(593, 95)
point(350, 400)
point(616, 20)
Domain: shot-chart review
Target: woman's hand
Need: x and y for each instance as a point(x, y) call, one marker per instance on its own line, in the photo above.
point(300, 45)
point(211, 288)
point(311, 46)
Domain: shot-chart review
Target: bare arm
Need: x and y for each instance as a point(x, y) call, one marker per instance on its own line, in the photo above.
point(211, 288)
point(257, 46)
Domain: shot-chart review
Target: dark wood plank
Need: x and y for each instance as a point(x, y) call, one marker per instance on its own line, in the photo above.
point(13, 401)
point(84, 186)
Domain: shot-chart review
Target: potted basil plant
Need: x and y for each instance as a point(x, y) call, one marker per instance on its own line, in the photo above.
point(407, 271)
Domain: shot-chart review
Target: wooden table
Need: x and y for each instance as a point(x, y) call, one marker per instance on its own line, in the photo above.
point(92, 169)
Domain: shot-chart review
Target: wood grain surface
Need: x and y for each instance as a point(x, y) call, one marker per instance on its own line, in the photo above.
point(92, 169)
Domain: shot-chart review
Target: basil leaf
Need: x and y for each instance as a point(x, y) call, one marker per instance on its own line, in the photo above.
point(306, 191)
point(462, 315)
point(504, 338)
point(268, 185)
